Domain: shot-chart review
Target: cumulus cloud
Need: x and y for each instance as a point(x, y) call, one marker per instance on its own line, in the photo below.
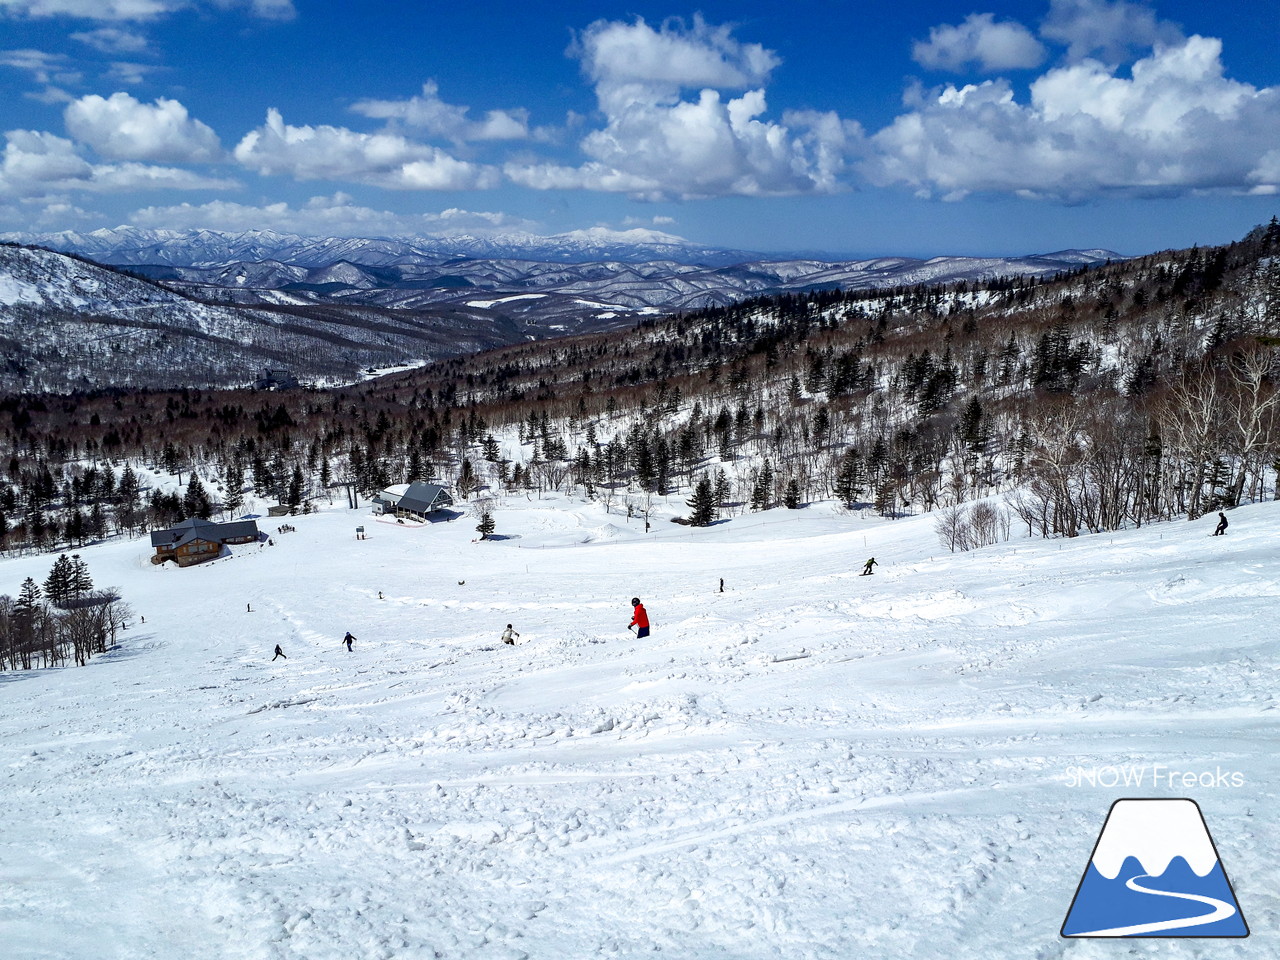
point(121, 128)
point(1111, 31)
point(634, 60)
point(37, 163)
point(657, 143)
point(1175, 124)
point(336, 153)
point(113, 40)
point(337, 215)
point(137, 10)
point(980, 42)
point(437, 118)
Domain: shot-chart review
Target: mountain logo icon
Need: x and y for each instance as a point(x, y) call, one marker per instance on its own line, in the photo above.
point(1154, 872)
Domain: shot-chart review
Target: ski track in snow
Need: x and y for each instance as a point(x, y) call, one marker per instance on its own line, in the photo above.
point(810, 765)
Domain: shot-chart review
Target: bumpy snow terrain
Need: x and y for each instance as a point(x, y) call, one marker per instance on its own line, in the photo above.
point(809, 764)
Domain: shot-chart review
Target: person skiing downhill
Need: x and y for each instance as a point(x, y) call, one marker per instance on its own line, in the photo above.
point(508, 634)
point(1222, 526)
point(866, 571)
point(279, 653)
point(639, 618)
point(347, 640)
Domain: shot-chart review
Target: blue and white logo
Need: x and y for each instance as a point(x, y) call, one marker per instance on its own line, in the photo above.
point(1154, 873)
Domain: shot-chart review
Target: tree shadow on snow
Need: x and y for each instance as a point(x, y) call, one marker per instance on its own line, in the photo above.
point(444, 516)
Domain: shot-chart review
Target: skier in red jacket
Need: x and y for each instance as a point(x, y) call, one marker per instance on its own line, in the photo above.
point(639, 618)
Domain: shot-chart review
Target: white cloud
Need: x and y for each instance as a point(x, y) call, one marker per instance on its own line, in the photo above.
point(656, 144)
point(121, 128)
point(336, 215)
point(113, 40)
point(92, 9)
point(47, 214)
point(336, 153)
point(629, 61)
point(982, 42)
point(50, 95)
point(1176, 124)
point(135, 10)
point(44, 67)
point(1265, 177)
point(38, 164)
point(1105, 29)
point(437, 118)
point(130, 73)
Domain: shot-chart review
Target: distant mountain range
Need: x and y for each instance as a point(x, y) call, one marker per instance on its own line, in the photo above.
point(207, 308)
point(132, 246)
point(567, 280)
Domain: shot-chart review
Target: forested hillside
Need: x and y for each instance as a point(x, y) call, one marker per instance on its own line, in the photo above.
point(71, 324)
point(1116, 395)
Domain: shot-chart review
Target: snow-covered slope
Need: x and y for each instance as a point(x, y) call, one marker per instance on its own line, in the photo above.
point(809, 764)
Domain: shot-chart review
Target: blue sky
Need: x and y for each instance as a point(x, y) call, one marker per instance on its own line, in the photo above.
point(862, 128)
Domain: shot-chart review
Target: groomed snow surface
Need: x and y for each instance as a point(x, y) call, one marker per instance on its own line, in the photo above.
point(812, 764)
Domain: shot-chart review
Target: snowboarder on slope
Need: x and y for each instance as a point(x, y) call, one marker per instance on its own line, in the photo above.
point(347, 640)
point(1222, 526)
point(639, 618)
point(866, 571)
point(508, 635)
point(279, 653)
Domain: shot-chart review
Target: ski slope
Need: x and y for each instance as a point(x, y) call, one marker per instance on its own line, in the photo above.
point(811, 764)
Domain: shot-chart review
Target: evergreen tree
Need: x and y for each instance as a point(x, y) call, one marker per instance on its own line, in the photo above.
point(57, 586)
point(81, 582)
point(722, 489)
point(233, 500)
point(76, 527)
point(702, 504)
point(762, 492)
point(28, 601)
point(196, 502)
point(646, 469)
point(486, 525)
point(171, 460)
point(293, 499)
point(970, 428)
point(849, 479)
point(791, 498)
point(129, 511)
point(97, 522)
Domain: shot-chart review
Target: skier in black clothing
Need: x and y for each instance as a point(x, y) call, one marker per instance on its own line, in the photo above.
point(347, 640)
point(279, 653)
point(1222, 526)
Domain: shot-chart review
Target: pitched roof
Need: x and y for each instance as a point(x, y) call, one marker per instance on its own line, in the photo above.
point(196, 529)
point(424, 497)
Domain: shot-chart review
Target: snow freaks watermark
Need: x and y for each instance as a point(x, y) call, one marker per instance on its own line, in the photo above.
point(1154, 872)
point(1153, 776)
